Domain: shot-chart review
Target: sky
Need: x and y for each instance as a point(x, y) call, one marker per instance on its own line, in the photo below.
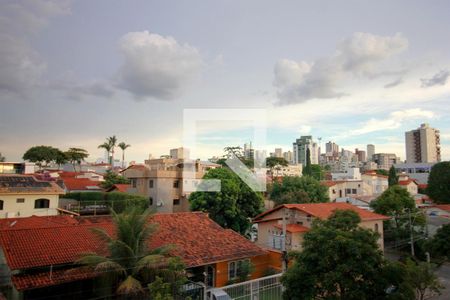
point(354, 72)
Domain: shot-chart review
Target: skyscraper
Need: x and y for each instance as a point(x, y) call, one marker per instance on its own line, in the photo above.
point(300, 147)
point(370, 152)
point(423, 145)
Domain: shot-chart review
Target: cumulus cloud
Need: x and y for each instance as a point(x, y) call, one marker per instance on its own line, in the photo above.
point(358, 55)
point(439, 78)
point(155, 66)
point(394, 120)
point(21, 67)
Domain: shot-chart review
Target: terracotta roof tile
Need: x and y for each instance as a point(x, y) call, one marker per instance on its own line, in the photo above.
point(77, 184)
point(198, 241)
point(119, 187)
point(293, 228)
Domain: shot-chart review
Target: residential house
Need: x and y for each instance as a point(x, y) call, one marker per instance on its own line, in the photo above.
point(162, 181)
point(343, 189)
point(410, 185)
point(24, 196)
point(299, 218)
point(17, 167)
point(119, 187)
point(38, 254)
point(377, 183)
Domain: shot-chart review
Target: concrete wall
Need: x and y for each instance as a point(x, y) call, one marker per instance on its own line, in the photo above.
point(12, 209)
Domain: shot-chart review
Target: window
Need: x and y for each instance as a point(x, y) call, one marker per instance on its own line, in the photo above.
point(176, 183)
point(334, 191)
point(353, 191)
point(42, 203)
point(150, 200)
point(348, 191)
point(150, 183)
point(235, 268)
point(376, 227)
point(20, 200)
point(1, 204)
point(133, 182)
point(176, 201)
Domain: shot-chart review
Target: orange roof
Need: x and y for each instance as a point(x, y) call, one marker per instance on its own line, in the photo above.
point(119, 187)
point(324, 210)
point(293, 228)
point(36, 222)
point(76, 184)
point(406, 182)
point(197, 239)
point(443, 206)
point(372, 173)
point(328, 183)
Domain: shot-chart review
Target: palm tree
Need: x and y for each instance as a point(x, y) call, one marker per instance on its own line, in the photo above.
point(112, 141)
point(131, 264)
point(123, 146)
point(107, 147)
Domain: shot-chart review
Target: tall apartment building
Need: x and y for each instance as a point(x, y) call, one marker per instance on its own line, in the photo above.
point(385, 160)
point(288, 156)
point(361, 155)
point(370, 152)
point(300, 147)
point(331, 148)
point(423, 145)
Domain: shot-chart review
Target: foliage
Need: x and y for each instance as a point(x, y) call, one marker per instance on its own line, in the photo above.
point(117, 201)
point(233, 206)
point(439, 245)
point(109, 146)
point(42, 155)
point(131, 264)
point(123, 146)
point(439, 182)
point(294, 186)
point(398, 203)
point(307, 168)
point(382, 172)
point(160, 290)
point(112, 178)
point(421, 278)
point(393, 178)
point(76, 156)
point(317, 172)
point(348, 265)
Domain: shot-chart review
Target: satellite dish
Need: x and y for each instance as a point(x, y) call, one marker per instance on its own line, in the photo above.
point(159, 203)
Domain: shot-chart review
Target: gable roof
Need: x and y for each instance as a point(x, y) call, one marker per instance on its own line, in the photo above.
point(407, 182)
point(324, 210)
point(197, 239)
point(36, 222)
point(119, 187)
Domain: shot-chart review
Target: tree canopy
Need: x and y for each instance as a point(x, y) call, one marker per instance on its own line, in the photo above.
point(76, 156)
point(348, 266)
point(294, 189)
point(393, 178)
point(233, 205)
point(43, 155)
point(112, 178)
point(307, 167)
point(439, 245)
point(439, 182)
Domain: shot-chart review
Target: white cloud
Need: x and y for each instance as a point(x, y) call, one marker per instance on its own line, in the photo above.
point(394, 121)
point(356, 56)
point(156, 66)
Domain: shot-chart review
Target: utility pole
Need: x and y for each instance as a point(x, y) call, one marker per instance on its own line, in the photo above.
point(411, 233)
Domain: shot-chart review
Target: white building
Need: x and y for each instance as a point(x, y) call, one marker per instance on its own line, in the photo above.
point(289, 170)
point(417, 171)
point(423, 145)
point(370, 152)
point(24, 196)
point(348, 174)
point(300, 147)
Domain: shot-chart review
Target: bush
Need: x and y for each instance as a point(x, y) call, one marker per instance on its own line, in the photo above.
point(91, 196)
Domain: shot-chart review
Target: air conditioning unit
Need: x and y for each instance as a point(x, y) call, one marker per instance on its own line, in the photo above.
point(159, 203)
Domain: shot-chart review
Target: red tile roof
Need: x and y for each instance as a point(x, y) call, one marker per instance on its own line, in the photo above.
point(198, 241)
point(119, 187)
point(293, 228)
point(324, 210)
point(38, 280)
point(373, 173)
point(443, 206)
point(328, 183)
point(80, 184)
point(406, 182)
point(36, 222)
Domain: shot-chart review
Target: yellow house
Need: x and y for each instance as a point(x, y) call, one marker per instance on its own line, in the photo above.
point(24, 196)
point(299, 218)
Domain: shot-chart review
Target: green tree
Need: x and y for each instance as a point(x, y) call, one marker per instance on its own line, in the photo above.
point(131, 264)
point(393, 178)
point(274, 163)
point(233, 206)
point(107, 148)
point(76, 156)
point(112, 178)
point(42, 155)
point(112, 141)
point(291, 186)
point(439, 245)
point(421, 277)
point(348, 265)
point(439, 182)
point(397, 203)
point(382, 172)
point(307, 168)
point(123, 146)
point(317, 172)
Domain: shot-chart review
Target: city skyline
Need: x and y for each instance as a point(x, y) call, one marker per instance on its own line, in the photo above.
point(69, 80)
